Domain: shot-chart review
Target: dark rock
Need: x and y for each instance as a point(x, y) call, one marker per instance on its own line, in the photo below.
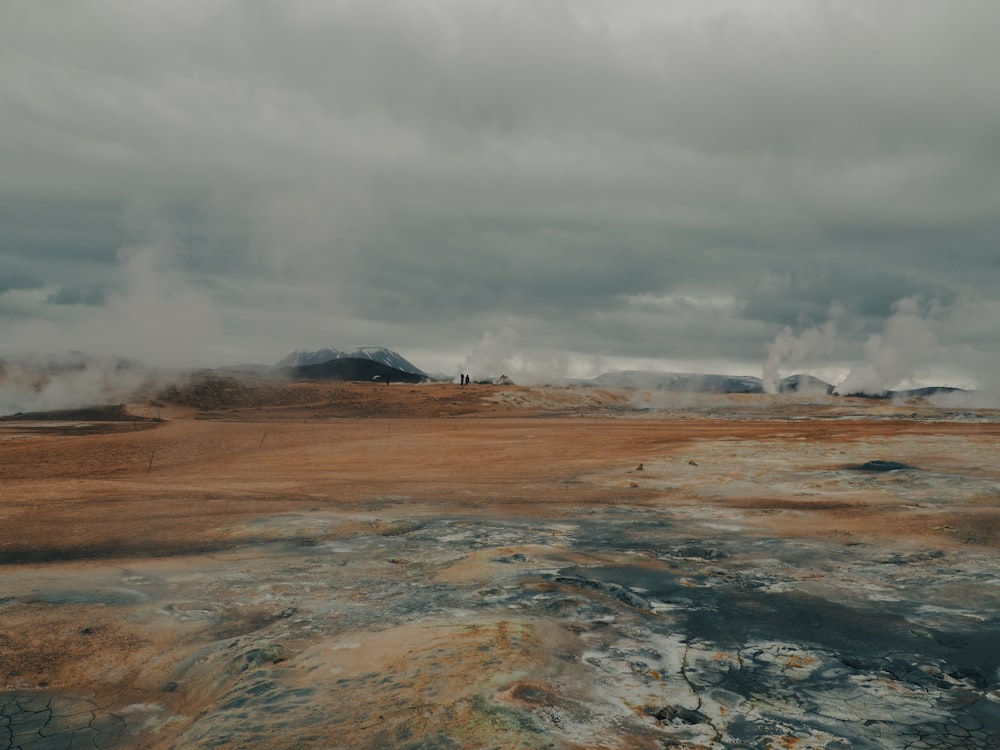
point(263, 655)
point(679, 714)
point(860, 662)
point(970, 676)
point(629, 597)
point(697, 551)
point(621, 593)
point(880, 466)
point(517, 557)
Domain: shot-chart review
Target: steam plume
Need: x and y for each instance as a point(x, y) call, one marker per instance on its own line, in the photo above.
point(48, 382)
point(906, 343)
point(501, 353)
point(789, 349)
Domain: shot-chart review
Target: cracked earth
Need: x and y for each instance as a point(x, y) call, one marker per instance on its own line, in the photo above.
point(436, 567)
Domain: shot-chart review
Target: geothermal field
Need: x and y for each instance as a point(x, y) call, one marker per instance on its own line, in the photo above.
point(261, 564)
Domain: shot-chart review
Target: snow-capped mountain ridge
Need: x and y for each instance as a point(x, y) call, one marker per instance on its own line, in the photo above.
point(304, 357)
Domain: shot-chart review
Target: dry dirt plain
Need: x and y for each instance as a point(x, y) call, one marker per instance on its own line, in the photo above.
point(243, 564)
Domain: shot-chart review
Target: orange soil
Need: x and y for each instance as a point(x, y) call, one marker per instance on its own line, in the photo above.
point(155, 489)
point(168, 487)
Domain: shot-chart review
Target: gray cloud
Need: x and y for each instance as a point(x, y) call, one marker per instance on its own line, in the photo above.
point(78, 295)
point(796, 294)
point(661, 181)
point(13, 276)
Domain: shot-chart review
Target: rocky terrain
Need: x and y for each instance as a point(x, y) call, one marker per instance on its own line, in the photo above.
point(242, 562)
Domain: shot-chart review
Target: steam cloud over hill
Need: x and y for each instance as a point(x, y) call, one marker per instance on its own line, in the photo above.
point(44, 382)
point(74, 380)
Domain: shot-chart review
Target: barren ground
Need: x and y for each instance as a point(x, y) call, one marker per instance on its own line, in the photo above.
point(251, 564)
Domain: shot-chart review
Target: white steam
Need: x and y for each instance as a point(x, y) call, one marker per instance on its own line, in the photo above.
point(50, 382)
point(501, 353)
point(155, 315)
point(911, 350)
point(893, 357)
point(790, 349)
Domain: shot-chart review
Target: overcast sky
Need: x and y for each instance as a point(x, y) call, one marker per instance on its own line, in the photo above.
point(547, 186)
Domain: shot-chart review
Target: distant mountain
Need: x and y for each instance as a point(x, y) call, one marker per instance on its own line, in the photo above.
point(804, 384)
point(52, 363)
point(931, 390)
point(678, 382)
point(353, 368)
point(697, 383)
point(248, 368)
point(387, 357)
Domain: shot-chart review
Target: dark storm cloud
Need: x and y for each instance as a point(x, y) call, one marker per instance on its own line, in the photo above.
point(798, 295)
point(78, 295)
point(14, 277)
point(644, 180)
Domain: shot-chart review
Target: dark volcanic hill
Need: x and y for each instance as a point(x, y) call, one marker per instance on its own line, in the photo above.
point(387, 357)
point(353, 368)
point(804, 384)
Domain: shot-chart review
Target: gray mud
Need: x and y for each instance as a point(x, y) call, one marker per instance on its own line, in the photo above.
point(668, 631)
